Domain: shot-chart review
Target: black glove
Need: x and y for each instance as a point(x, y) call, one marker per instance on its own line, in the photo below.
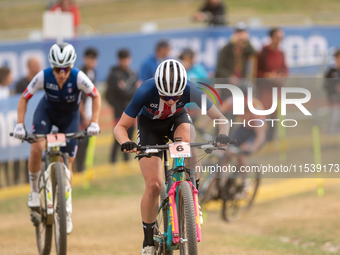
point(223, 139)
point(128, 146)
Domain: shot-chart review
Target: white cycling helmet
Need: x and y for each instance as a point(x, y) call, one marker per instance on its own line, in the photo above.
point(171, 78)
point(62, 55)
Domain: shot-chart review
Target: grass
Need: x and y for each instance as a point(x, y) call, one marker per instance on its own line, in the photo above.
point(107, 214)
point(27, 13)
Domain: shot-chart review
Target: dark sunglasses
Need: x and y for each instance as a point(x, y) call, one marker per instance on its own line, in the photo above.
point(168, 98)
point(59, 69)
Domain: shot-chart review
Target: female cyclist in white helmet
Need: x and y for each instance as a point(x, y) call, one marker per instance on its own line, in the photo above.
point(159, 105)
point(60, 107)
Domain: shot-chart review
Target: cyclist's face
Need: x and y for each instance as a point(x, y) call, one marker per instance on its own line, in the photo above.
point(61, 76)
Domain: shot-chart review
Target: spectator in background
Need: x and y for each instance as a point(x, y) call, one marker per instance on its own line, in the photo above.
point(69, 6)
point(33, 66)
point(332, 86)
point(198, 71)
point(85, 107)
point(187, 58)
point(213, 12)
point(150, 65)
point(272, 66)
point(237, 59)
point(233, 58)
point(122, 83)
point(5, 80)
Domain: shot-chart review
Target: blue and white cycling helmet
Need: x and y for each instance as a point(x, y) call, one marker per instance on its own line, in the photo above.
point(62, 55)
point(171, 78)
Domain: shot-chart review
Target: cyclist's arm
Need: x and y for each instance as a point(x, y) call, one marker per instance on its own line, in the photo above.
point(128, 117)
point(86, 85)
point(215, 114)
point(36, 84)
point(96, 105)
point(120, 131)
point(226, 105)
point(21, 109)
point(260, 137)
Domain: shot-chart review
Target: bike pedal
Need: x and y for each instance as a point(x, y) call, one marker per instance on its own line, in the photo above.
point(35, 217)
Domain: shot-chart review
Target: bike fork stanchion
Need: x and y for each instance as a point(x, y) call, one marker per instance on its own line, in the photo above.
point(168, 174)
point(193, 177)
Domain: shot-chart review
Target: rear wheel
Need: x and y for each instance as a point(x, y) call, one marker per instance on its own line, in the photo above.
point(238, 196)
point(186, 220)
point(43, 232)
point(59, 204)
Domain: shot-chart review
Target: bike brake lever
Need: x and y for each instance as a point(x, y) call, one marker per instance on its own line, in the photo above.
point(221, 149)
point(141, 155)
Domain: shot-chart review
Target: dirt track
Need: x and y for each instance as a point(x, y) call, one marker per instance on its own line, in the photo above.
point(303, 224)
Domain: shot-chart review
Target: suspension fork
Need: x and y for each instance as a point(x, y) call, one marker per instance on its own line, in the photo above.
point(167, 173)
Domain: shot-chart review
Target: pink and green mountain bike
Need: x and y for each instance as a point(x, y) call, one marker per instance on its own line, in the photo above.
point(178, 220)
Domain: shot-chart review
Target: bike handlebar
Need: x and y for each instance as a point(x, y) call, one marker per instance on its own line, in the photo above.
point(31, 138)
point(203, 145)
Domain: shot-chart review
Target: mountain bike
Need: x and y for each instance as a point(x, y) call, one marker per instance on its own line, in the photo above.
point(54, 179)
point(236, 189)
point(178, 220)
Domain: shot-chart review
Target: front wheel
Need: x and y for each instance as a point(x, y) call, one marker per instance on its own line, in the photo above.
point(43, 231)
point(208, 190)
point(238, 196)
point(186, 220)
point(59, 203)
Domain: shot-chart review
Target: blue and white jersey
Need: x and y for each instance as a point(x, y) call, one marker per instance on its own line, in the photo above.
point(65, 99)
point(147, 101)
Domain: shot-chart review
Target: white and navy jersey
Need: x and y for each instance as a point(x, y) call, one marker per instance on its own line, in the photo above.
point(147, 101)
point(65, 99)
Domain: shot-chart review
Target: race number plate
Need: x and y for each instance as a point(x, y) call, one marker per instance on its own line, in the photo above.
point(180, 150)
point(54, 140)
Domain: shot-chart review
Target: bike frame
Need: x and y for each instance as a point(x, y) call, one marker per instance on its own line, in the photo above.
point(174, 177)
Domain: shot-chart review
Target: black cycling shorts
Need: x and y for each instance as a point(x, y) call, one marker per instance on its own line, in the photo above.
point(152, 132)
point(67, 122)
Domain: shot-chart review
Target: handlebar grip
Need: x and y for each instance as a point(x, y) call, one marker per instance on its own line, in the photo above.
point(233, 141)
point(140, 148)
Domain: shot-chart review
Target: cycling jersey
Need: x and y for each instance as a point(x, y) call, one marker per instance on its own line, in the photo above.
point(66, 99)
point(147, 101)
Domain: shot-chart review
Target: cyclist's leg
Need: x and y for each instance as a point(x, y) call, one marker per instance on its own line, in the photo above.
point(69, 124)
point(188, 134)
point(244, 138)
point(148, 134)
point(152, 173)
point(41, 125)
